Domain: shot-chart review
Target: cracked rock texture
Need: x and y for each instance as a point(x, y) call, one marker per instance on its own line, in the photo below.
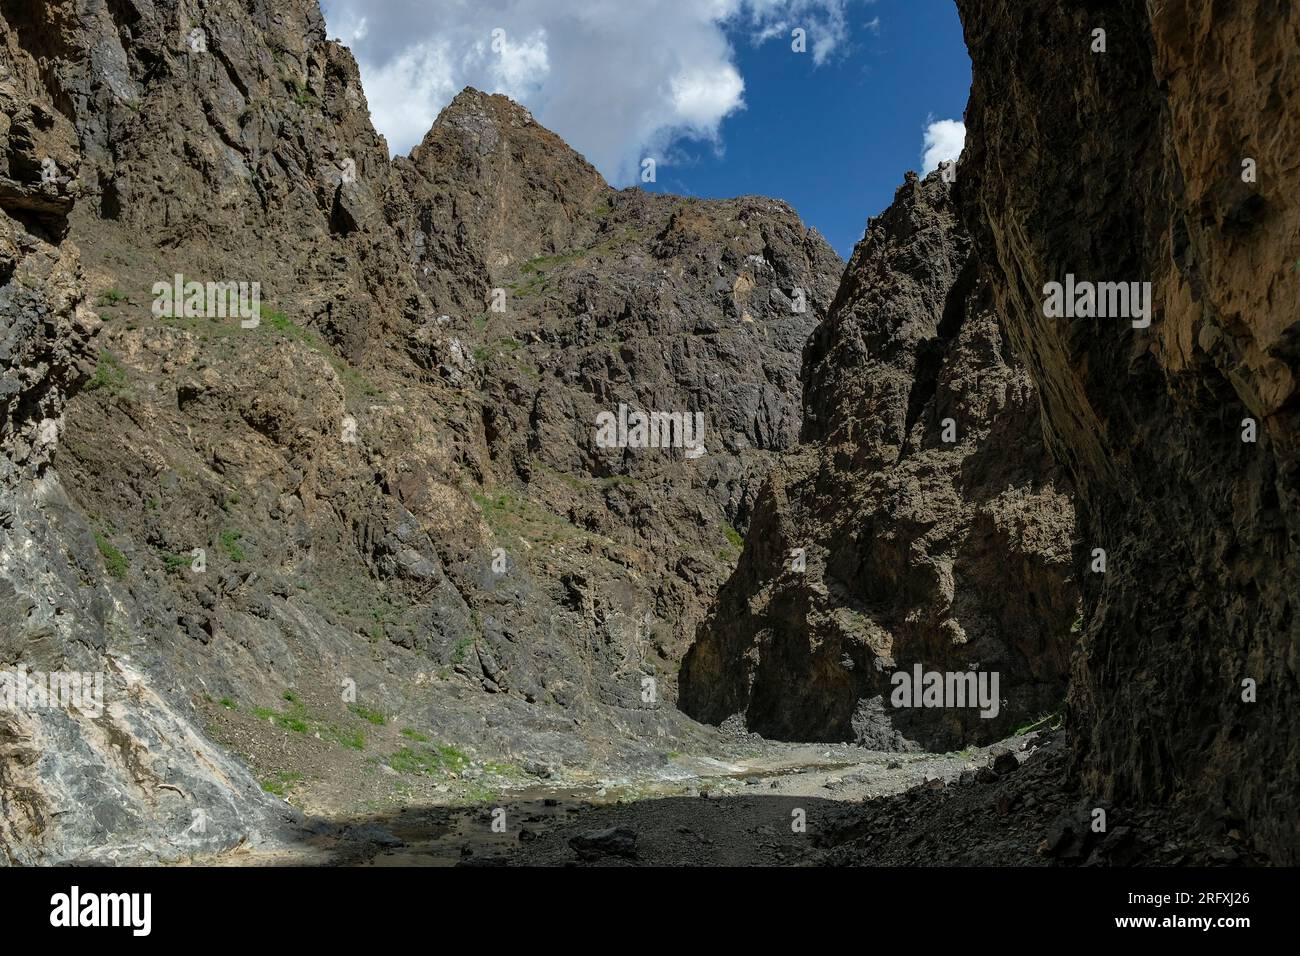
point(384, 483)
point(1128, 165)
point(119, 777)
point(954, 555)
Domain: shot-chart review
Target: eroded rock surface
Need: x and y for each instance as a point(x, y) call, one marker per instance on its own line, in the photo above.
point(1132, 165)
point(113, 769)
point(364, 540)
point(879, 545)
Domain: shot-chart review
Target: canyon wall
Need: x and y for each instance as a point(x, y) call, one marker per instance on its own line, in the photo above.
point(1162, 151)
point(920, 522)
point(387, 482)
point(120, 773)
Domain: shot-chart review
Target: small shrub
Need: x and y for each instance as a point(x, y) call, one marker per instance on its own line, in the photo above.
point(114, 560)
point(230, 544)
point(109, 376)
point(458, 652)
point(373, 716)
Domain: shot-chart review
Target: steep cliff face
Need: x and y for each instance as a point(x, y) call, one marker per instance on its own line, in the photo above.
point(1168, 158)
point(109, 769)
point(375, 495)
point(570, 300)
point(920, 522)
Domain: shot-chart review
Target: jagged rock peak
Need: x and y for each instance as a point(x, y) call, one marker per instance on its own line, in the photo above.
point(886, 540)
point(492, 123)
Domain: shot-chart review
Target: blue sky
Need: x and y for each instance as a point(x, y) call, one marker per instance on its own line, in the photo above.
point(834, 140)
point(710, 88)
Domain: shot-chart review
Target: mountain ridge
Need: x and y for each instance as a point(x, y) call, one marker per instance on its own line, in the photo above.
point(394, 488)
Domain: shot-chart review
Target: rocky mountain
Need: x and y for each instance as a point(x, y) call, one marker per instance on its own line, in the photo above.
point(1159, 151)
point(343, 483)
point(920, 522)
point(361, 517)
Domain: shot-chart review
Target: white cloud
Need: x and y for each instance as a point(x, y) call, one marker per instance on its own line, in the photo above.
point(700, 96)
point(400, 90)
point(519, 68)
point(944, 140)
point(825, 22)
point(618, 79)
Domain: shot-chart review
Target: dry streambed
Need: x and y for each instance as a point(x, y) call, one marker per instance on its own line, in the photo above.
point(763, 807)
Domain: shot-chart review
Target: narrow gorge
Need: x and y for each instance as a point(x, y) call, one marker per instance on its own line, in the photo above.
point(357, 568)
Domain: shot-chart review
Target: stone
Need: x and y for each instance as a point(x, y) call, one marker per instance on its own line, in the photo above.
point(615, 841)
point(912, 339)
point(1004, 763)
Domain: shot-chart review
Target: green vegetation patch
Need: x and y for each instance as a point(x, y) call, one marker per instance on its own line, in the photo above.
point(287, 721)
point(430, 761)
point(534, 272)
point(355, 383)
point(230, 543)
point(459, 650)
point(297, 719)
point(1052, 721)
point(480, 793)
point(365, 713)
point(513, 516)
point(542, 263)
point(110, 375)
point(352, 739)
point(174, 563)
point(115, 562)
point(281, 782)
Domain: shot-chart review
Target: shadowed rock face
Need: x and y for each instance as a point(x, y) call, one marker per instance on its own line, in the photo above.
point(1128, 166)
point(949, 554)
point(394, 486)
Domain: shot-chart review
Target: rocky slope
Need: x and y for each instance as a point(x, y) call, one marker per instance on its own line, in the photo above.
point(1167, 159)
point(122, 770)
point(606, 298)
point(883, 543)
point(370, 536)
